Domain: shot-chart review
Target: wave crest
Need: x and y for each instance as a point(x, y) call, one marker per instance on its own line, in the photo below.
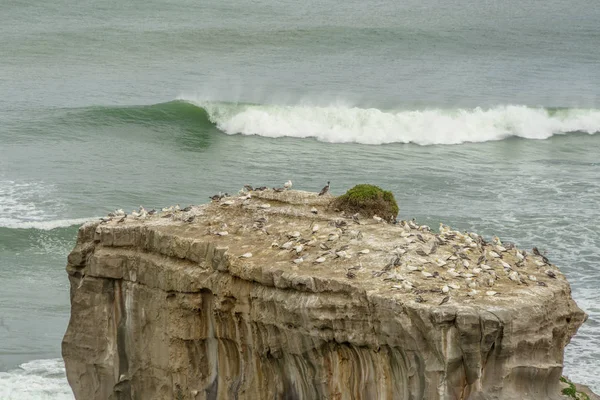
point(336, 124)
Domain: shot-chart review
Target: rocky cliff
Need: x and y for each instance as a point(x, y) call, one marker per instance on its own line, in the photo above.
point(275, 296)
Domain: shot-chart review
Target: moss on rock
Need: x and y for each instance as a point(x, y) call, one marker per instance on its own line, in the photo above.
point(571, 391)
point(368, 200)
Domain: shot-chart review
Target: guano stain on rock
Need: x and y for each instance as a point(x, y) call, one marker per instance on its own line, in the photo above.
point(296, 301)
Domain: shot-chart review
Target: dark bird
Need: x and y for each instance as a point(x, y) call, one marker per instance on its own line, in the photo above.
point(350, 275)
point(152, 212)
point(481, 259)
point(419, 299)
point(260, 189)
point(540, 283)
point(122, 219)
point(420, 237)
point(278, 190)
point(325, 189)
point(248, 188)
point(434, 248)
point(551, 274)
point(188, 208)
point(422, 252)
point(536, 251)
point(190, 219)
point(445, 300)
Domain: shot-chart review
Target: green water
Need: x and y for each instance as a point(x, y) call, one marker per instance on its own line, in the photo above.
point(481, 115)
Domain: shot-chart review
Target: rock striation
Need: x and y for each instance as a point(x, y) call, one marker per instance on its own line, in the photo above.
point(274, 295)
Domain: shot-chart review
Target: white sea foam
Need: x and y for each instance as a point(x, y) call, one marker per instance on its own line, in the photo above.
point(32, 205)
point(36, 380)
point(337, 124)
point(42, 225)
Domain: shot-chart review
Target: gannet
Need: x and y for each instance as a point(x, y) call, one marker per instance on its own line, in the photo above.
point(325, 189)
point(287, 185)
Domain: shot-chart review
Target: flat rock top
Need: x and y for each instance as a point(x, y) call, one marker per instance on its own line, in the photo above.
point(298, 232)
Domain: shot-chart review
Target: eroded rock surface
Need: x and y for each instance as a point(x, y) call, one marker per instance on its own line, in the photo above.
point(276, 296)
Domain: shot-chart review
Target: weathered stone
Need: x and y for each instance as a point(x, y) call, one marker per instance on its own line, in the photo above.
point(163, 308)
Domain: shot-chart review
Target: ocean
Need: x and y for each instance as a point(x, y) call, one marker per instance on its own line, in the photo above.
point(483, 115)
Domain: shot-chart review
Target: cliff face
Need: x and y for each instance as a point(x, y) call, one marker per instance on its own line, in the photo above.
point(163, 308)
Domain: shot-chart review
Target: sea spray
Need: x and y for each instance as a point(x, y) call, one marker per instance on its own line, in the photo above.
point(422, 127)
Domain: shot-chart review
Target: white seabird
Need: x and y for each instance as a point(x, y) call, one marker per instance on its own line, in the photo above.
point(287, 185)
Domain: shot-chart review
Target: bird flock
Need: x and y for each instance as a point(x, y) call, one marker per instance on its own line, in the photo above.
point(403, 256)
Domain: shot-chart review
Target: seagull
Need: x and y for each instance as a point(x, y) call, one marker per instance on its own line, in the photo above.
point(287, 185)
point(325, 189)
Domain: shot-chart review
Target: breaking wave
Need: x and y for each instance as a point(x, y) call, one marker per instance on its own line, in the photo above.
point(43, 225)
point(373, 126)
point(343, 124)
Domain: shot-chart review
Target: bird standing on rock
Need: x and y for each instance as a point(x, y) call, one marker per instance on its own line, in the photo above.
point(325, 190)
point(287, 185)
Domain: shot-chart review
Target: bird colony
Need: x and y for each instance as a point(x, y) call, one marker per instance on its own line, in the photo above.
point(299, 231)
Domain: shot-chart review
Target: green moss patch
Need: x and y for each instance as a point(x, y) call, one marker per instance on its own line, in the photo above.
point(571, 391)
point(368, 200)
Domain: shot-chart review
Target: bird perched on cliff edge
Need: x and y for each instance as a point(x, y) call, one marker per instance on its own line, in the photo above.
point(287, 185)
point(325, 190)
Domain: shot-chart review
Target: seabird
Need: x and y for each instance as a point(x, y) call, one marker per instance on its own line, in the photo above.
point(188, 208)
point(445, 300)
point(287, 185)
point(248, 188)
point(325, 189)
point(278, 190)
